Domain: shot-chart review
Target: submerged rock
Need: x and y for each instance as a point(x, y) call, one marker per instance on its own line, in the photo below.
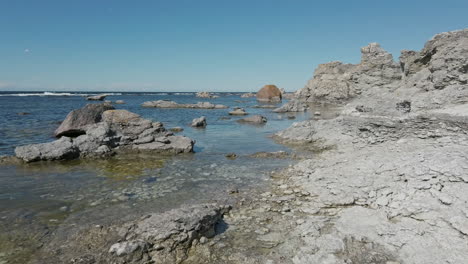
point(118, 130)
point(238, 111)
point(255, 119)
point(199, 122)
point(269, 93)
point(78, 121)
point(172, 104)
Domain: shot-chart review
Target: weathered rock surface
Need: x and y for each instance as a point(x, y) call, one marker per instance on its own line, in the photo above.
point(292, 106)
point(155, 238)
point(172, 104)
point(199, 122)
point(269, 93)
point(78, 121)
point(119, 130)
point(99, 97)
point(255, 119)
point(238, 111)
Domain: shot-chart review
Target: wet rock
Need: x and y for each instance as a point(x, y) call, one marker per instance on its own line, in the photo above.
point(255, 119)
point(292, 106)
point(172, 104)
point(99, 97)
point(238, 111)
point(78, 121)
point(120, 102)
point(267, 106)
point(199, 122)
point(176, 129)
point(231, 155)
point(269, 93)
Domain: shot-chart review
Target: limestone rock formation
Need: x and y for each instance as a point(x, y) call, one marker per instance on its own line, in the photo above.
point(119, 130)
point(269, 93)
point(77, 121)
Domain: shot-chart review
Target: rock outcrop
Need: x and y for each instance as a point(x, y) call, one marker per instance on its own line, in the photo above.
point(78, 121)
point(119, 130)
point(172, 104)
point(440, 65)
point(269, 93)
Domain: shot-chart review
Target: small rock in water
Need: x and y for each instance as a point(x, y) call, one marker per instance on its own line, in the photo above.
point(176, 129)
point(231, 155)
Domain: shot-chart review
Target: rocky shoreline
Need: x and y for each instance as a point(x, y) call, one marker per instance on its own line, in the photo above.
point(383, 182)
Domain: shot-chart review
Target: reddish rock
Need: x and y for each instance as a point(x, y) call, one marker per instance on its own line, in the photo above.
point(269, 93)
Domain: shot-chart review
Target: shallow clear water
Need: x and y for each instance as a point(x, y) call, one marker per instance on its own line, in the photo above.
point(47, 194)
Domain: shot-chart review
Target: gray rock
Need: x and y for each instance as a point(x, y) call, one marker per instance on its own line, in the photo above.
point(255, 119)
point(199, 122)
point(60, 149)
point(77, 121)
point(99, 97)
point(120, 102)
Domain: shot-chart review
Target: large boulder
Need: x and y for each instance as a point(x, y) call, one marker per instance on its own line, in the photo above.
point(77, 121)
point(269, 93)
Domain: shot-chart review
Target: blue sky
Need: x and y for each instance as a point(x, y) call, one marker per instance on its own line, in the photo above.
point(201, 45)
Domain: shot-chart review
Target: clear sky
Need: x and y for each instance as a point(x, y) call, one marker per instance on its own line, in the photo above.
point(195, 45)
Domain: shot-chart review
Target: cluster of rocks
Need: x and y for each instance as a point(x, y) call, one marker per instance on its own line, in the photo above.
point(205, 95)
point(99, 130)
point(172, 104)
